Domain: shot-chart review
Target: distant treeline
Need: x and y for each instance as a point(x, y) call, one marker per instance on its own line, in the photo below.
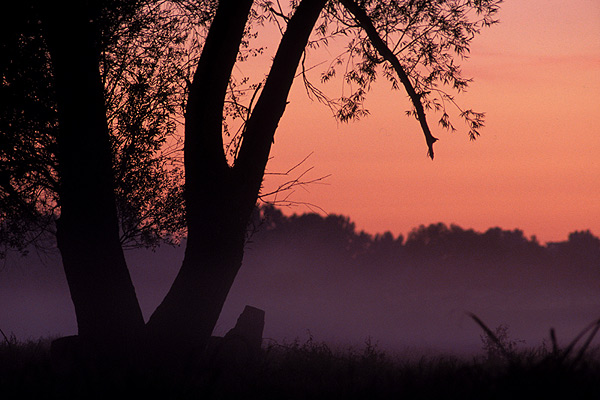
point(435, 243)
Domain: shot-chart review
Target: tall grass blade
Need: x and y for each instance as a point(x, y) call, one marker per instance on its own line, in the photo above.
point(587, 342)
point(594, 325)
point(492, 336)
point(8, 343)
point(555, 351)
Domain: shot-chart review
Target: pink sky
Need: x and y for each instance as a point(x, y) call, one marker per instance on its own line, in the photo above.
point(535, 167)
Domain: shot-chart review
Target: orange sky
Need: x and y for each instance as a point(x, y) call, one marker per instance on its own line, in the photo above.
point(535, 167)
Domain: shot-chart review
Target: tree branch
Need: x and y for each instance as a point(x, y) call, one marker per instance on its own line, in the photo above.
point(260, 127)
point(365, 22)
point(204, 113)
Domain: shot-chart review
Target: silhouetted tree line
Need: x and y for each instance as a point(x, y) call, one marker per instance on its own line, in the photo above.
point(440, 244)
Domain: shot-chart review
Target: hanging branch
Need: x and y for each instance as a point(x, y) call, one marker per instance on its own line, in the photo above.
point(365, 22)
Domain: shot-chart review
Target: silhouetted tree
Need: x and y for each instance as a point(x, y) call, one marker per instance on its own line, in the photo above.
point(414, 44)
point(581, 249)
point(314, 239)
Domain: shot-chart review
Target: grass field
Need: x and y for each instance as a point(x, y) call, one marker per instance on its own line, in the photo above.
point(313, 370)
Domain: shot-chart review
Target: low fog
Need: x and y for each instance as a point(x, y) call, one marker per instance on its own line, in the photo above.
point(319, 277)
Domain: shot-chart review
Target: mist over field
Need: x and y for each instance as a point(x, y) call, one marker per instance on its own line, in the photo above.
point(318, 276)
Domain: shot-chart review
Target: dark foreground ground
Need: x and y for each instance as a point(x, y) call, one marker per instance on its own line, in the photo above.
point(312, 370)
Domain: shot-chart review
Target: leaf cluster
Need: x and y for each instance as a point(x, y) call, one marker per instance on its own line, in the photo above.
point(28, 128)
point(146, 51)
point(429, 38)
point(145, 68)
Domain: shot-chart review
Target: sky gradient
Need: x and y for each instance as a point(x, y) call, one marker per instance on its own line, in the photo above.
point(535, 167)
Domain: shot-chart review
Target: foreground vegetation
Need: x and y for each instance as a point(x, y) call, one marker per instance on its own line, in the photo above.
point(313, 370)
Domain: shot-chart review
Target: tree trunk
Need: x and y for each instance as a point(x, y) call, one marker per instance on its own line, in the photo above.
point(220, 198)
point(216, 230)
point(184, 321)
point(105, 303)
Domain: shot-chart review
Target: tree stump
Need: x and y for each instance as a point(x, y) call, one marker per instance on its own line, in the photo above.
point(241, 346)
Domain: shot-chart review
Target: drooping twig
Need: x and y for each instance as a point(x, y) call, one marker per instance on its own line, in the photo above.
point(365, 22)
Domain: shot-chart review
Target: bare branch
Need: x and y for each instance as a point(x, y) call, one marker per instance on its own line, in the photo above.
point(288, 186)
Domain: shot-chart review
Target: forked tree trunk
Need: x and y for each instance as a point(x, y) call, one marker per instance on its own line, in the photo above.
point(184, 321)
point(220, 198)
point(105, 303)
point(216, 227)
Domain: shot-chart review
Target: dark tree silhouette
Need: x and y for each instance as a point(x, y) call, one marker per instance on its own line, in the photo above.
point(414, 44)
point(144, 62)
point(334, 238)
